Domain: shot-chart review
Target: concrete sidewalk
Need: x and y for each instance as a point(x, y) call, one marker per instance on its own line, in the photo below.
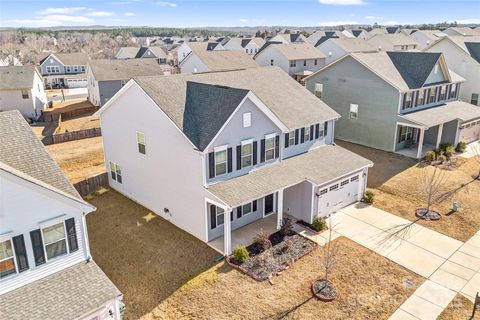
point(450, 266)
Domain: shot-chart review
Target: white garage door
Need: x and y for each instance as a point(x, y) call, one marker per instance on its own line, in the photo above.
point(76, 83)
point(338, 195)
point(470, 132)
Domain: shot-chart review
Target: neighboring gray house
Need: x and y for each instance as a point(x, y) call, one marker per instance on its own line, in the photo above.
point(392, 42)
point(250, 45)
point(65, 70)
point(150, 52)
point(297, 59)
point(289, 38)
point(213, 152)
point(21, 88)
point(405, 102)
point(46, 269)
point(106, 76)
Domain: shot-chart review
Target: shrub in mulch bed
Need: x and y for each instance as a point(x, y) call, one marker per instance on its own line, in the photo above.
point(324, 290)
point(310, 227)
point(263, 264)
point(430, 215)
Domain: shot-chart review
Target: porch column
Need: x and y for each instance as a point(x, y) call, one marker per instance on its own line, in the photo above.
point(279, 208)
point(439, 136)
point(420, 143)
point(227, 232)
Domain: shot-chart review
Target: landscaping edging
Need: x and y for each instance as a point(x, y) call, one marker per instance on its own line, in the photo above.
point(322, 297)
point(420, 216)
point(304, 226)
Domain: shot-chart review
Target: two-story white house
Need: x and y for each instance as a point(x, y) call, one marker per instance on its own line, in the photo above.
point(392, 42)
point(151, 52)
point(21, 88)
point(213, 152)
point(65, 70)
point(250, 45)
point(297, 59)
point(186, 48)
point(405, 102)
point(463, 56)
point(46, 270)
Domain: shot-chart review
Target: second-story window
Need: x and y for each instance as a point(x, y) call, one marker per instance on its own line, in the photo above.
point(319, 90)
point(55, 240)
point(247, 154)
point(353, 114)
point(431, 97)
point(307, 133)
point(291, 138)
point(7, 261)
point(141, 143)
point(443, 91)
point(221, 162)
point(421, 95)
point(24, 94)
point(408, 100)
point(269, 147)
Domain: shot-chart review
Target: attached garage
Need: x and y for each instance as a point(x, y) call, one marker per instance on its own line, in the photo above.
point(336, 195)
point(469, 131)
point(76, 83)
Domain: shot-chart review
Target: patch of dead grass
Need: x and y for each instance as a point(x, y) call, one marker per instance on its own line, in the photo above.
point(79, 159)
point(459, 309)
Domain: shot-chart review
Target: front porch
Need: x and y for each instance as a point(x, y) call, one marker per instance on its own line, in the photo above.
point(244, 236)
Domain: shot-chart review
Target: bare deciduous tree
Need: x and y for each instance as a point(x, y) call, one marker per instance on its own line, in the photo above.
point(330, 253)
point(432, 187)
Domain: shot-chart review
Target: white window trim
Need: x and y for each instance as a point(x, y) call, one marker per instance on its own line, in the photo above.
point(220, 149)
point(115, 170)
point(251, 209)
point(45, 244)
point(268, 137)
point(350, 112)
point(291, 136)
point(14, 256)
point(217, 214)
point(144, 142)
point(309, 133)
point(247, 119)
point(243, 143)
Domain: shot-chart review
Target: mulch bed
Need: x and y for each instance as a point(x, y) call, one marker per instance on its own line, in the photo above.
point(324, 290)
point(262, 265)
point(430, 215)
point(309, 227)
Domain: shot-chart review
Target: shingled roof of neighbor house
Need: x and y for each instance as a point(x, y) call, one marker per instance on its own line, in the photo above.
point(395, 39)
point(223, 60)
point(17, 77)
point(354, 45)
point(67, 294)
point(157, 51)
point(203, 101)
point(474, 50)
point(70, 59)
point(414, 67)
point(319, 166)
point(298, 51)
point(119, 69)
point(289, 101)
point(22, 154)
point(131, 52)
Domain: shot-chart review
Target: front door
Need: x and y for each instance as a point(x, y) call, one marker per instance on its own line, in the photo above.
point(268, 204)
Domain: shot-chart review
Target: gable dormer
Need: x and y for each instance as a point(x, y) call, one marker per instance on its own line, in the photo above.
point(438, 74)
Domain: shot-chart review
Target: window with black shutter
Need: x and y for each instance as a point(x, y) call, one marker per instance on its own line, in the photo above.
point(317, 130)
point(20, 253)
point(262, 150)
point(302, 135)
point(325, 127)
point(239, 212)
point(37, 246)
point(211, 165)
point(239, 157)
point(297, 135)
point(277, 146)
point(71, 234)
point(287, 137)
point(255, 152)
point(254, 205)
point(311, 132)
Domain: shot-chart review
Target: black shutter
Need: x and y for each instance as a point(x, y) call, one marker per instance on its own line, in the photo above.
point(317, 130)
point(277, 146)
point(239, 157)
point(302, 135)
point(229, 160)
point(311, 132)
point(297, 134)
point(211, 165)
point(37, 246)
point(287, 138)
point(231, 215)
point(20, 253)
point(239, 212)
point(213, 216)
point(255, 151)
point(325, 128)
point(71, 234)
point(254, 205)
point(262, 150)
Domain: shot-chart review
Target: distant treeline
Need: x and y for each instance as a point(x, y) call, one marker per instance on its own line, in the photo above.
point(133, 31)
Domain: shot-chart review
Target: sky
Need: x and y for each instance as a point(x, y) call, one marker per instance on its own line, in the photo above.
point(199, 13)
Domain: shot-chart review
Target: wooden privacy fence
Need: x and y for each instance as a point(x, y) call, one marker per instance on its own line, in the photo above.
point(91, 184)
point(76, 135)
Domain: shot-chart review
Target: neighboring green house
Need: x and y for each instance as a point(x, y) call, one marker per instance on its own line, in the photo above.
point(405, 102)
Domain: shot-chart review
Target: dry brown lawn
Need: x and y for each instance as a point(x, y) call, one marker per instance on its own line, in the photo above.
point(459, 309)
point(165, 273)
point(83, 122)
point(79, 159)
point(397, 180)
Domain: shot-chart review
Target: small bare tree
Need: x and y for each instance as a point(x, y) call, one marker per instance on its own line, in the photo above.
point(431, 188)
point(476, 156)
point(330, 253)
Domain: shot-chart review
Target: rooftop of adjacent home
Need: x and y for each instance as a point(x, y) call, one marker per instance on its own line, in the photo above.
point(17, 77)
point(120, 69)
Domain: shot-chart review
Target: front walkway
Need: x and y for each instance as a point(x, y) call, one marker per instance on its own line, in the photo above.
point(473, 149)
point(449, 265)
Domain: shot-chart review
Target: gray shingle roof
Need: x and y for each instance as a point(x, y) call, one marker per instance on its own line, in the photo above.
point(131, 52)
point(17, 77)
point(207, 108)
point(21, 150)
point(474, 50)
point(319, 166)
point(67, 294)
point(294, 105)
point(298, 51)
point(414, 67)
point(222, 60)
point(454, 110)
point(354, 45)
point(70, 59)
point(123, 69)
